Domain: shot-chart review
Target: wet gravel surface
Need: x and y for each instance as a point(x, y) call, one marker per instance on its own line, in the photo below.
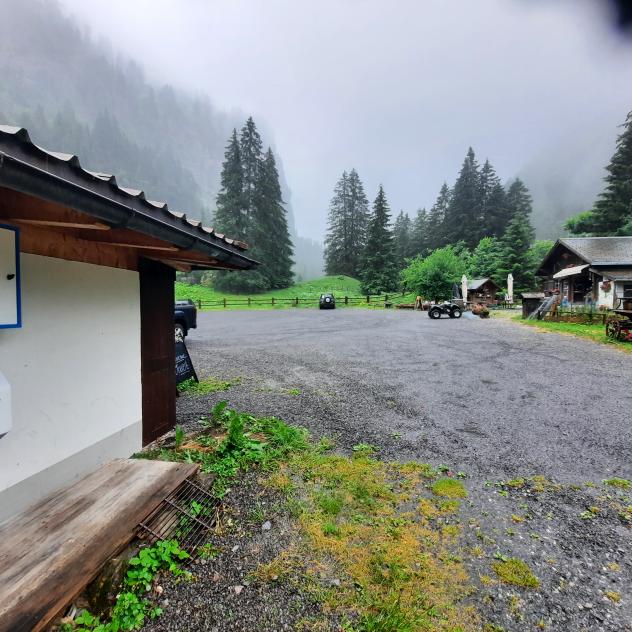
point(490, 398)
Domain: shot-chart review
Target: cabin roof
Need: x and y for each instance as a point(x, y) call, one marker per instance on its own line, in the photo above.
point(60, 178)
point(597, 251)
point(475, 284)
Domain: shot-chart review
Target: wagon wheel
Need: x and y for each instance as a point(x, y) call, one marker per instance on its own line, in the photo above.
point(613, 328)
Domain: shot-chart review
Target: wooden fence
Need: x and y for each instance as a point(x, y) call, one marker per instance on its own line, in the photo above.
point(579, 316)
point(295, 301)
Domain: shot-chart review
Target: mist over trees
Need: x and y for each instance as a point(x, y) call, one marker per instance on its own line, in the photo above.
point(612, 212)
point(250, 208)
point(78, 97)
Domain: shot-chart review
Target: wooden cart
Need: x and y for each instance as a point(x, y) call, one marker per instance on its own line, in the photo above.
point(619, 324)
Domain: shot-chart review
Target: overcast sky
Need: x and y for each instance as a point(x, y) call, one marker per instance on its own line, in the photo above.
point(397, 89)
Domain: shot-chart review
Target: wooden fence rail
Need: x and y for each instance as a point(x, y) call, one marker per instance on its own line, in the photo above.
point(249, 301)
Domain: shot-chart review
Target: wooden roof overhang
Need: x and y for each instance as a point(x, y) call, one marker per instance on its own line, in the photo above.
point(67, 212)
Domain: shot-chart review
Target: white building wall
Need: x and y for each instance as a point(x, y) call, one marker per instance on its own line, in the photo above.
point(606, 299)
point(74, 370)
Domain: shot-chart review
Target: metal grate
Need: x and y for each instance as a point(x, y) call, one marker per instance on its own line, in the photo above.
point(187, 515)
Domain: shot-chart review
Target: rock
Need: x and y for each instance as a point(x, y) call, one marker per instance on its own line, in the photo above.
point(216, 577)
point(266, 526)
point(235, 548)
point(238, 589)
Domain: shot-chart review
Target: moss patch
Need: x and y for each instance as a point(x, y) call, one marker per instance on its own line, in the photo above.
point(449, 488)
point(516, 572)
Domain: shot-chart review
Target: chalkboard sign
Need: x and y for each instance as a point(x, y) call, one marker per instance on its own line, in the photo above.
point(184, 366)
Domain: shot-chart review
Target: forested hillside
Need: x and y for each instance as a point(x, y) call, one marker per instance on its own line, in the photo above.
point(79, 97)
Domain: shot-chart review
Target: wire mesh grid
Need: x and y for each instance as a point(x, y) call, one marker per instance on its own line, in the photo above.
point(187, 515)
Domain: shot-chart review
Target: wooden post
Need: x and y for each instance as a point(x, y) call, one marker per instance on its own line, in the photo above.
point(199, 303)
point(297, 301)
point(386, 298)
point(346, 300)
point(368, 298)
point(248, 301)
point(224, 302)
point(273, 300)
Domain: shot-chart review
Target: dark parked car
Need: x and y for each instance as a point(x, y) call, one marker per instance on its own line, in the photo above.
point(451, 309)
point(185, 317)
point(327, 301)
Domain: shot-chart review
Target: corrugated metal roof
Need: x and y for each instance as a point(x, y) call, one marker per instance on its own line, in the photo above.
point(601, 250)
point(15, 143)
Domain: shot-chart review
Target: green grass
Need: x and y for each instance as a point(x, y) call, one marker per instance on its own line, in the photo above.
point(206, 385)
point(449, 488)
point(516, 572)
point(594, 332)
point(340, 286)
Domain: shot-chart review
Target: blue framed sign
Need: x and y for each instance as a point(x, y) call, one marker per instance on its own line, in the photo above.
point(10, 293)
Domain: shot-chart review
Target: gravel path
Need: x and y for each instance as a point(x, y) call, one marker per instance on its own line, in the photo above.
point(486, 397)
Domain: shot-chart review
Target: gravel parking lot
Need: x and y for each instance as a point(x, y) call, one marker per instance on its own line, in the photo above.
point(487, 396)
point(490, 399)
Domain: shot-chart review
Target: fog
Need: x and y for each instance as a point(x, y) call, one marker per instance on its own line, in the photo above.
point(398, 90)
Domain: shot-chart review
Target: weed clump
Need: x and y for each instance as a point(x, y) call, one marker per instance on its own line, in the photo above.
point(449, 488)
point(206, 386)
point(621, 483)
point(516, 572)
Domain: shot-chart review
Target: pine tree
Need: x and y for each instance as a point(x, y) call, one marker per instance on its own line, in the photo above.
point(358, 214)
point(419, 234)
point(273, 237)
point(402, 233)
point(379, 270)
point(612, 212)
point(494, 215)
point(463, 217)
point(518, 199)
point(436, 218)
point(347, 225)
point(515, 244)
point(251, 158)
point(336, 237)
point(230, 215)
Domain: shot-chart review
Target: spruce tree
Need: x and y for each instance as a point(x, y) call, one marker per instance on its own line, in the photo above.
point(402, 229)
point(436, 218)
point(494, 215)
point(251, 158)
point(379, 269)
point(358, 219)
point(463, 217)
point(347, 225)
point(419, 234)
point(337, 229)
point(612, 212)
point(515, 244)
point(272, 237)
point(230, 216)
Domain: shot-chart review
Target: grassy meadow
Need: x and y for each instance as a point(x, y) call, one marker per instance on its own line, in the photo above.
point(339, 285)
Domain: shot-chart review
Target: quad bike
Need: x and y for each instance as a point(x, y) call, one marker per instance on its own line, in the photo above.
point(451, 309)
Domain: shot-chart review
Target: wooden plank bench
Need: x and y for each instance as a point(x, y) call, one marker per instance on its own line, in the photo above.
point(50, 552)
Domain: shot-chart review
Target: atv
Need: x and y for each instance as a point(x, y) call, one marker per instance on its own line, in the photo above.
point(451, 309)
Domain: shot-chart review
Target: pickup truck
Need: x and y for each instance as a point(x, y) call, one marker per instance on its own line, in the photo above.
point(185, 317)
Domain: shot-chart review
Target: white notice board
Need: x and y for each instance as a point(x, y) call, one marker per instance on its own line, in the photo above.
point(10, 309)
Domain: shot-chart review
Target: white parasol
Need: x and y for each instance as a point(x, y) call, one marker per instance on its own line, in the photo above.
point(510, 288)
point(464, 289)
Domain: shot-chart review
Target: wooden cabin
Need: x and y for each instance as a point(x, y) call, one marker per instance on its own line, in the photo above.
point(482, 291)
point(87, 356)
point(590, 270)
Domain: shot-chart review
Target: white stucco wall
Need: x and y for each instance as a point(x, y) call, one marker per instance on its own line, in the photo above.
point(74, 369)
